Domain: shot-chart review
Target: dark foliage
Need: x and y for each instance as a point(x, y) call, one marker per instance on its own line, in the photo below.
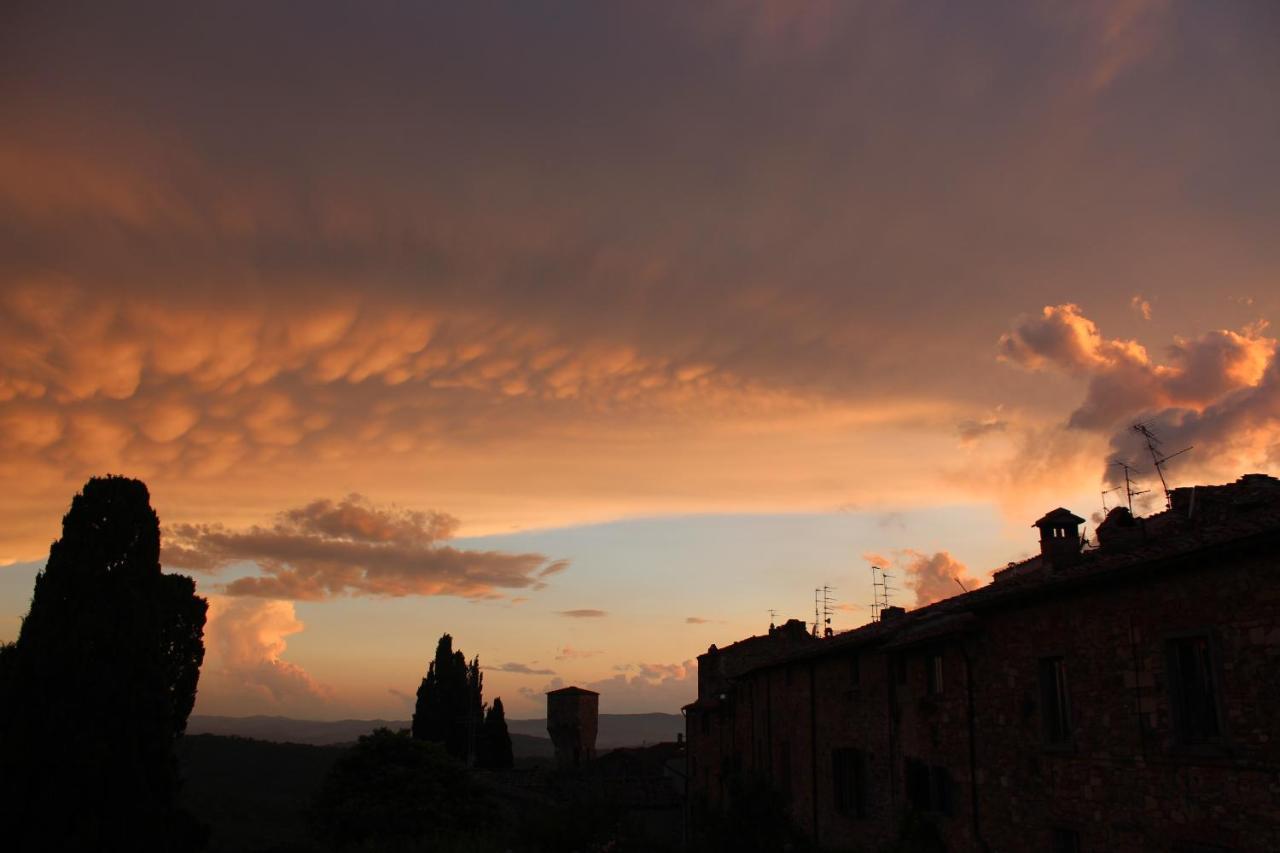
point(254, 794)
point(450, 706)
point(495, 740)
point(392, 791)
point(99, 683)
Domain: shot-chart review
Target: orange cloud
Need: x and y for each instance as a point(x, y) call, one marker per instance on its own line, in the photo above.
point(352, 547)
point(244, 665)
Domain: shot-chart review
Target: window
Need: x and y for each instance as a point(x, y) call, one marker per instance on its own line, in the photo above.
point(1055, 710)
point(1063, 840)
point(849, 782)
point(934, 664)
point(1194, 690)
point(928, 786)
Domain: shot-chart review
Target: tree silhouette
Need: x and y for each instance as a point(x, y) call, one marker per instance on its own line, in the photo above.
point(450, 707)
point(495, 740)
point(99, 683)
point(394, 792)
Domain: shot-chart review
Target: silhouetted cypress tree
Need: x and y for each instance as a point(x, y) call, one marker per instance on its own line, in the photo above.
point(450, 706)
point(98, 685)
point(495, 740)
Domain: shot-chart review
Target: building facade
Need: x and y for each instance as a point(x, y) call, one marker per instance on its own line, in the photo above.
point(1118, 695)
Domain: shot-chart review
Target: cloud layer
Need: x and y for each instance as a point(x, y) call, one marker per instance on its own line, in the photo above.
point(352, 547)
point(559, 275)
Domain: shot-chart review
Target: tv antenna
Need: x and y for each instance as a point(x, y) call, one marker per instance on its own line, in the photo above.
point(880, 590)
point(828, 605)
point(822, 602)
point(1129, 489)
point(1106, 492)
point(1158, 457)
point(773, 617)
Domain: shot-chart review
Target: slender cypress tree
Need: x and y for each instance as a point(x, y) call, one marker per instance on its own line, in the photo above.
point(495, 740)
point(450, 706)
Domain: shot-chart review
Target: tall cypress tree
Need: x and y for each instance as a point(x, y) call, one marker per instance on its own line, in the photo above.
point(99, 683)
point(450, 706)
point(495, 740)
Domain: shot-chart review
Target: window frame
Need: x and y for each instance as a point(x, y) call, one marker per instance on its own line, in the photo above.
point(1182, 737)
point(1064, 736)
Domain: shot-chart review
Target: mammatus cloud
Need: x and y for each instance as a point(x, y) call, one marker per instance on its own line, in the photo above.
point(1219, 392)
point(520, 669)
point(584, 614)
point(244, 666)
point(352, 547)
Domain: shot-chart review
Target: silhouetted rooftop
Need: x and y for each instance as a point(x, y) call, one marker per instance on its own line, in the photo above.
point(570, 691)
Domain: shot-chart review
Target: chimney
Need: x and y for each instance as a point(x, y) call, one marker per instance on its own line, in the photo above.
point(1060, 543)
point(893, 611)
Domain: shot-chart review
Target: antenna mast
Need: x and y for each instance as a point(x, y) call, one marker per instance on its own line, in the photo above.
point(827, 607)
point(1129, 490)
point(1158, 458)
point(880, 590)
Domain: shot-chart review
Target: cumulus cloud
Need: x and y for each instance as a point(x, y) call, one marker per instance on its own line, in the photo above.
point(929, 577)
point(1217, 391)
point(650, 687)
point(585, 613)
point(638, 687)
point(245, 642)
point(1141, 306)
point(352, 547)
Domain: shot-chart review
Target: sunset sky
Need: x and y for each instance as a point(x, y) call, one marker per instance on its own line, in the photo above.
point(589, 332)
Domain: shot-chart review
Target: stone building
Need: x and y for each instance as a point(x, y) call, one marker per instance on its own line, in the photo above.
point(572, 720)
point(1117, 695)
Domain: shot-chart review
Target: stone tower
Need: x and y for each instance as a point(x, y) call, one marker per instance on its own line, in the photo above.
point(571, 721)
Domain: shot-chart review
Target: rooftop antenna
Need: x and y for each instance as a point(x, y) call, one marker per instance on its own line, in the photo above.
point(773, 617)
point(961, 585)
point(816, 603)
point(827, 607)
point(1106, 492)
point(880, 590)
point(1158, 457)
point(1129, 489)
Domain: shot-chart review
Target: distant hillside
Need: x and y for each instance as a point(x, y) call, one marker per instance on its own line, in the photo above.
point(617, 730)
point(528, 737)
